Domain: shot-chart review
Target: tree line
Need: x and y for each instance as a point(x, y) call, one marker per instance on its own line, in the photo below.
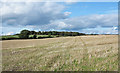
point(24, 34)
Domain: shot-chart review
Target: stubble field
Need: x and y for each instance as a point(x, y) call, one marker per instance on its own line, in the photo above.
point(80, 53)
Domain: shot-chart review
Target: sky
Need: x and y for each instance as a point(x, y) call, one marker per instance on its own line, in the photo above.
point(83, 17)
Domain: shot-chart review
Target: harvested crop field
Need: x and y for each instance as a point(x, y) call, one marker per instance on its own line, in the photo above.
point(81, 53)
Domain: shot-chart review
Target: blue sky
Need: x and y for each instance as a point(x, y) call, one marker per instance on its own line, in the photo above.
point(88, 8)
point(85, 17)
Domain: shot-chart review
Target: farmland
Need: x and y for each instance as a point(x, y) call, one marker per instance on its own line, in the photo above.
point(79, 53)
point(8, 37)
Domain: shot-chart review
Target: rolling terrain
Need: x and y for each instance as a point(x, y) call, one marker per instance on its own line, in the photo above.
point(80, 53)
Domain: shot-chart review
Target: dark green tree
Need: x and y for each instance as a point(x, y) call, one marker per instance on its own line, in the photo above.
point(24, 34)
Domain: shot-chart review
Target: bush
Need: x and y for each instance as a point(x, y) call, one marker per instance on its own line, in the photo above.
point(24, 34)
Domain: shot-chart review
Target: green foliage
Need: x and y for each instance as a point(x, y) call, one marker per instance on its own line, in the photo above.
point(8, 37)
point(49, 35)
point(63, 33)
point(24, 34)
point(34, 37)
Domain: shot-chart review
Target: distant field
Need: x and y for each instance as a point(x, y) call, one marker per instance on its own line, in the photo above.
point(80, 53)
point(41, 36)
point(9, 36)
point(16, 36)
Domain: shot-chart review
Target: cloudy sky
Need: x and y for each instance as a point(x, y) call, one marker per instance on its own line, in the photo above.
point(85, 17)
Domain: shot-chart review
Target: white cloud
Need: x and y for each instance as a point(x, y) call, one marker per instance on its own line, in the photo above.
point(100, 30)
point(115, 28)
point(50, 16)
point(112, 30)
point(67, 13)
point(90, 21)
point(31, 13)
point(10, 33)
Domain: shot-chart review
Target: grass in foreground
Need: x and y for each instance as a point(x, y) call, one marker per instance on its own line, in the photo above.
point(65, 54)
